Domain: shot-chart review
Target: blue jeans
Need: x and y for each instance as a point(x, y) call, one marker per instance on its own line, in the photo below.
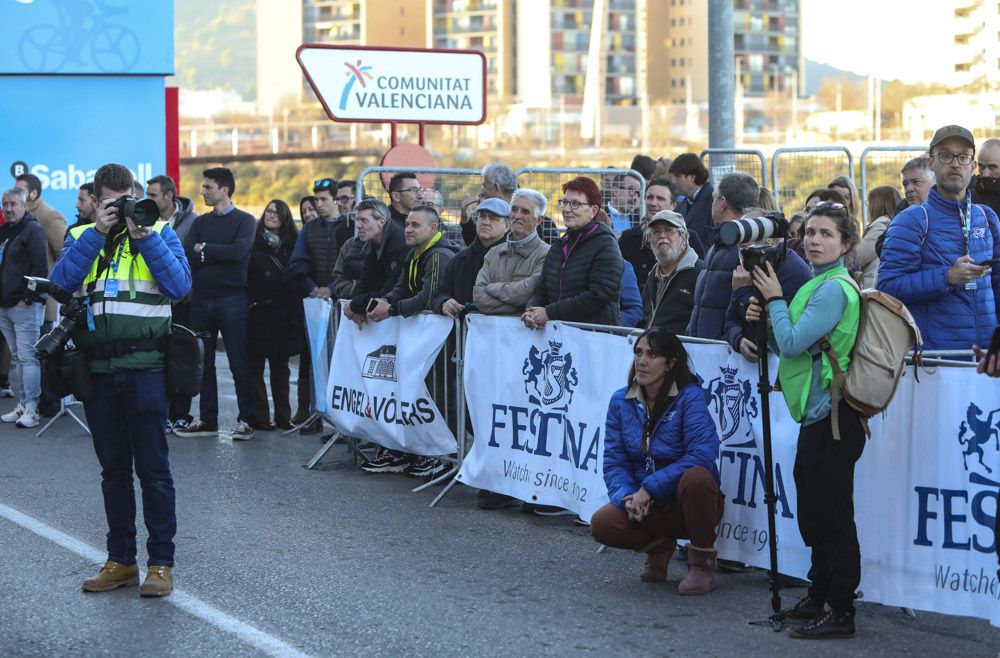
point(20, 327)
point(126, 418)
point(229, 316)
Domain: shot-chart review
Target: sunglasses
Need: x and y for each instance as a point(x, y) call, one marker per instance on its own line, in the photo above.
point(344, 198)
point(323, 184)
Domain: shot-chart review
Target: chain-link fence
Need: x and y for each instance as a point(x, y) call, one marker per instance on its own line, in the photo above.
point(795, 172)
point(445, 189)
point(882, 165)
point(720, 162)
point(623, 189)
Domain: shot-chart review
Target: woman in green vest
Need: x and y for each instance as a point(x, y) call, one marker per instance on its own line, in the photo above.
point(826, 306)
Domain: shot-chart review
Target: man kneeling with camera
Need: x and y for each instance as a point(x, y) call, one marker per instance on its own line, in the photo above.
point(126, 268)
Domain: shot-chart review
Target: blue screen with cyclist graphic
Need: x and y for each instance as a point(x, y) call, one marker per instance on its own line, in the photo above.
point(109, 37)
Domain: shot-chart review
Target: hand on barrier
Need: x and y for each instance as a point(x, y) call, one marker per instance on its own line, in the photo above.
point(965, 270)
point(452, 308)
point(748, 349)
point(535, 317)
point(323, 292)
point(356, 318)
point(753, 312)
point(989, 364)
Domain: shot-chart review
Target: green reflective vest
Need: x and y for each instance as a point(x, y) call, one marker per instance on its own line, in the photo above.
point(795, 373)
point(138, 310)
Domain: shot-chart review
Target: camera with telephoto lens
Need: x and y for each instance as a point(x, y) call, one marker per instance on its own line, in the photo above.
point(72, 310)
point(738, 231)
point(143, 212)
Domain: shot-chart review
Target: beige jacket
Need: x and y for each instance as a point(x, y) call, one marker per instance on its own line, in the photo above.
point(509, 276)
point(54, 224)
point(866, 250)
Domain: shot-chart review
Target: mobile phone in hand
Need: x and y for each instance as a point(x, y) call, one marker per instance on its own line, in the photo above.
point(988, 263)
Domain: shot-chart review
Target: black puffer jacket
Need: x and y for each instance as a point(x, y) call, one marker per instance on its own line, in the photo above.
point(24, 254)
point(582, 277)
point(460, 275)
point(421, 277)
point(712, 293)
point(276, 323)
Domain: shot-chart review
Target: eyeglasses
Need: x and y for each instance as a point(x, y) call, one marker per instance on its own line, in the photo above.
point(575, 205)
point(416, 189)
point(946, 157)
point(345, 198)
point(323, 184)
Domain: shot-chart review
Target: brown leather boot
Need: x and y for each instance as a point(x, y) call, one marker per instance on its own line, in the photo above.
point(112, 576)
point(700, 578)
point(159, 581)
point(655, 569)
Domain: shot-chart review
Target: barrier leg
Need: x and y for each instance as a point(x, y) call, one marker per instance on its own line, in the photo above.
point(323, 450)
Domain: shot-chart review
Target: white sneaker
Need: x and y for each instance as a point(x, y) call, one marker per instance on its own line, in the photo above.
point(243, 431)
point(12, 416)
point(28, 419)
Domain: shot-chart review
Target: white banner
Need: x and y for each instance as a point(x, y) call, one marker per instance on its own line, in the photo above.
point(318, 317)
point(376, 388)
point(538, 401)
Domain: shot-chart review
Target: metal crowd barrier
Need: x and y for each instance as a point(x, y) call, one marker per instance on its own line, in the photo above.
point(795, 172)
point(881, 165)
point(724, 161)
point(549, 181)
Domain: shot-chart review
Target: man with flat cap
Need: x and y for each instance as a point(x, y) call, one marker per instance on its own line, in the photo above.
point(942, 258)
point(668, 296)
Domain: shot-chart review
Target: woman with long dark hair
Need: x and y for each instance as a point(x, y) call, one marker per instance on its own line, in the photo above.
point(307, 209)
point(825, 308)
point(276, 323)
point(660, 452)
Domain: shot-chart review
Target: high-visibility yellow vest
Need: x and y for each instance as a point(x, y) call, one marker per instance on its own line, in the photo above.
point(138, 310)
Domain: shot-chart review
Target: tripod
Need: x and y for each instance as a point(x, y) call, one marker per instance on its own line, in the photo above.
point(65, 409)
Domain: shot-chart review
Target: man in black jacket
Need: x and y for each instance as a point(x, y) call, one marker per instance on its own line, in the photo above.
point(986, 184)
point(385, 256)
point(23, 248)
point(668, 296)
point(218, 247)
point(691, 178)
point(405, 194)
point(460, 275)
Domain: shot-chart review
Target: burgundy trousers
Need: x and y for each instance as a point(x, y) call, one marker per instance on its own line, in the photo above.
point(693, 514)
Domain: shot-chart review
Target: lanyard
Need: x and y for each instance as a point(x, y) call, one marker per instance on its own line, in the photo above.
point(966, 218)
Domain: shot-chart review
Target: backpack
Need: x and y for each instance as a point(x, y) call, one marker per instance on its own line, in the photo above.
point(886, 333)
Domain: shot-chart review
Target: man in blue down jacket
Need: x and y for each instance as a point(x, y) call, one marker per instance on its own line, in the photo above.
point(936, 256)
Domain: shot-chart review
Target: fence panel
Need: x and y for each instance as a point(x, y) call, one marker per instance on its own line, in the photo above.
point(445, 189)
point(549, 181)
point(795, 172)
point(881, 165)
point(720, 162)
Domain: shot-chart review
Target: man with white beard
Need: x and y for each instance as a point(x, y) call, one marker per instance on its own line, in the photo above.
point(668, 296)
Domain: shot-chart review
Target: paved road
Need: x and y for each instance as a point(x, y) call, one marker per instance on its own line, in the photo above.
point(274, 559)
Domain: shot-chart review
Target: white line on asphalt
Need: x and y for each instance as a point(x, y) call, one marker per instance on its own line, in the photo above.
point(269, 644)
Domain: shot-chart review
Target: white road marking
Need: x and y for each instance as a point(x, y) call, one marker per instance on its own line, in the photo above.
point(195, 607)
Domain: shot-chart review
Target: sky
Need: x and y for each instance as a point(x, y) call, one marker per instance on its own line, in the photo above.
point(863, 36)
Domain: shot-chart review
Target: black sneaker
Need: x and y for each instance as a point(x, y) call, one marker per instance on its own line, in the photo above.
point(828, 625)
point(425, 466)
point(492, 500)
point(385, 461)
point(806, 609)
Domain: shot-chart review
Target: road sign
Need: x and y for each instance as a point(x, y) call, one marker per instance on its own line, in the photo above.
point(396, 85)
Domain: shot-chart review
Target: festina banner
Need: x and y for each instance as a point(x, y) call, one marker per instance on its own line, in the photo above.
point(318, 313)
point(926, 496)
point(376, 388)
point(538, 401)
point(730, 385)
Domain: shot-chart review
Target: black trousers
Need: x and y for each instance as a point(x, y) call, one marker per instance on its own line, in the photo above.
point(824, 478)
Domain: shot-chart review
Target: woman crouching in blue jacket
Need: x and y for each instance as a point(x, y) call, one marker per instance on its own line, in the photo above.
point(660, 452)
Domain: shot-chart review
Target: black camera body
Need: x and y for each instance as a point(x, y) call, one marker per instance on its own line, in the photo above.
point(72, 310)
point(756, 255)
point(142, 212)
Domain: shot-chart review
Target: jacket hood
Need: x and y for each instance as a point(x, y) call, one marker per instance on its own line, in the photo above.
point(187, 205)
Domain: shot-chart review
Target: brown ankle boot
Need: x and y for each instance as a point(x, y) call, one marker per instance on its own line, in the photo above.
point(655, 569)
point(112, 576)
point(700, 578)
point(159, 581)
